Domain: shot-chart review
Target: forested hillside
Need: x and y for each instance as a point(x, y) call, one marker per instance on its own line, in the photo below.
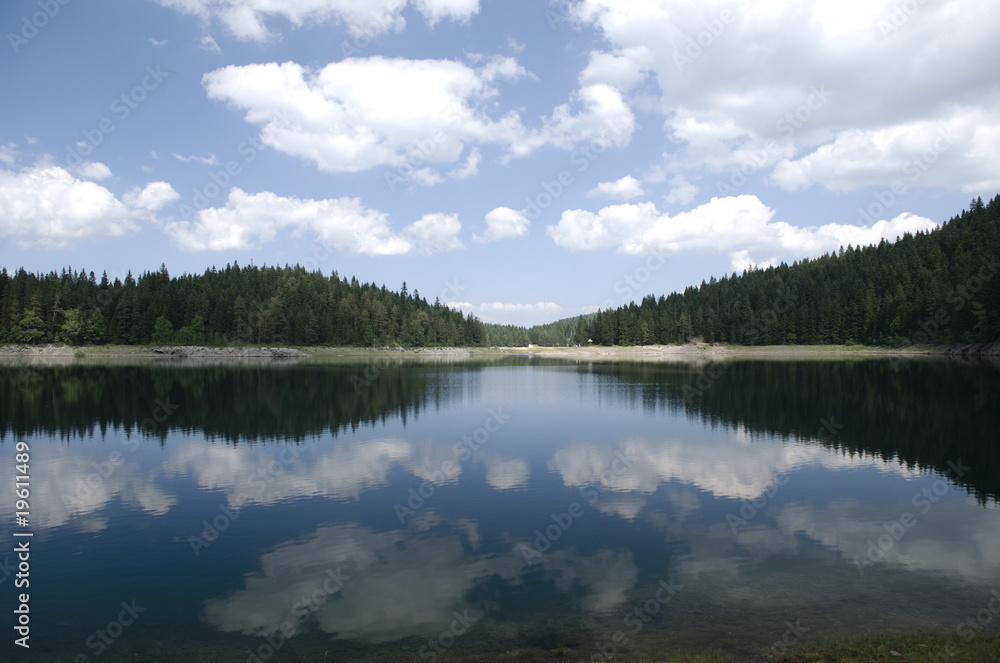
point(273, 305)
point(937, 287)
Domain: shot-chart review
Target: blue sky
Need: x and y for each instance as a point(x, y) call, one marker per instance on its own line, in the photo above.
point(524, 160)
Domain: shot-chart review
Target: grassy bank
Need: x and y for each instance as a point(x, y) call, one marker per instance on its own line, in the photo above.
point(921, 648)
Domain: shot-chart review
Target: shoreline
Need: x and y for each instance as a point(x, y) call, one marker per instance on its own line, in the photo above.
point(690, 351)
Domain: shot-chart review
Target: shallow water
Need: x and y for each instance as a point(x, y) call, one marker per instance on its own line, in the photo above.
point(398, 511)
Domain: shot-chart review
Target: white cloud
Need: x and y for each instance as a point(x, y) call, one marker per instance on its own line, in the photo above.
point(158, 42)
point(955, 154)
point(682, 193)
point(503, 68)
point(509, 312)
point(504, 223)
point(152, 198)
point(253, 20)
point(407, 115)
point(624, 189)
point(92, 170)
point(811, 101)
point(210, 160)
point(361, 113)
point(45, 205)
point(470, 168)
point(723, 467)
point(547, 307)
point(436, 11)
point(742, 226)
point(8, 153)
point(622, 69)
point(435, 233)
point(602, 117)
point(343, 223)
point(208, 43)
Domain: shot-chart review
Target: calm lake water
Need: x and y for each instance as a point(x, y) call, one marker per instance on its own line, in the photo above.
point(429, 511)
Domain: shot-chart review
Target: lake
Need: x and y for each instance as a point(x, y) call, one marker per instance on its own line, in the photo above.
point(530, 507)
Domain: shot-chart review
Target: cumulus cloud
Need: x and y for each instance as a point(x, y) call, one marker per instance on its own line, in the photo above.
point(597, 113)
point(504, 223)
point(151, 198)
point(343, 223)
point(46, 205)
point(410, 116)
point(956, 154)
point(92, 170)
point(361, 113)
point(501, 67)
point(624, 189)
point(254, 20)
point(622, 68)
point(811, 102)
point(741, 225)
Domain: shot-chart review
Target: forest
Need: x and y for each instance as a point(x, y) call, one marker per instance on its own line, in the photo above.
point(933, 288)
point(936, 287)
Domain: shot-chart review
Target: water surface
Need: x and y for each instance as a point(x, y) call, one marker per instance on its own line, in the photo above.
point(421, 511)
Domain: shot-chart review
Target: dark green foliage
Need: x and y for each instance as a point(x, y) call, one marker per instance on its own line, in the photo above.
point(930, 288)
point(260, 305)
point(937, 287)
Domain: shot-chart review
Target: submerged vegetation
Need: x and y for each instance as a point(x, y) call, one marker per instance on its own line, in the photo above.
point(937, 287)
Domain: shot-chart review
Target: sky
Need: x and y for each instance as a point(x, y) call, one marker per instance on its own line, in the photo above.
point(523, 160)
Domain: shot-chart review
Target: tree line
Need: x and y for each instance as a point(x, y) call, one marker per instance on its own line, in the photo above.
point(932, 287)
point(235, 305)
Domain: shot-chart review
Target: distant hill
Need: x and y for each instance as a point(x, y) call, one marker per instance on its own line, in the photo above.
point(936, 287)
point(231, 306)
